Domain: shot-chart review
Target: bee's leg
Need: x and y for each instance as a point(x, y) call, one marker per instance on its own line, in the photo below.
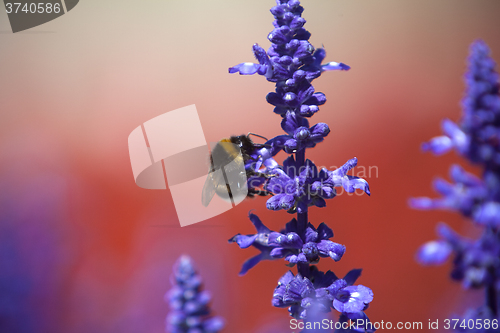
point(258, 174)
point(255, 191)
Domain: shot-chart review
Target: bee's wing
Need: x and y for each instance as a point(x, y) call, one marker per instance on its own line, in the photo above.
point(208, 190)
point(214, 181)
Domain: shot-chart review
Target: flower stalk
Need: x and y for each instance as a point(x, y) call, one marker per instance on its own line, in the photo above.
point(292, 63)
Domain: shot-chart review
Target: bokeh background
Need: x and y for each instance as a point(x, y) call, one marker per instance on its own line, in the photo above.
point(83, 249)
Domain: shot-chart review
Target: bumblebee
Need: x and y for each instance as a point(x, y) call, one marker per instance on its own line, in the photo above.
point(226, 156)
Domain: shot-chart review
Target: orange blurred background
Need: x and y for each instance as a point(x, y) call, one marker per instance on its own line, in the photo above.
point(86, 250)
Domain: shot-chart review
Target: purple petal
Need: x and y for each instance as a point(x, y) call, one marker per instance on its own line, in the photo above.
point(244, 241)
point(324, 232)
point(302, 34)
point(290, 167)
point(319, 131)
point(277, 36)
point(443, 187)
point(319, 55)
point(438, 145)
point(459, 175)
point(278, 11)
point(434, 253)
point(308, 110)
point(274, 99)
point(331, 249)
point(286, 279)
point(311, 75)
point(291, 226)
point(277, 143)
point(352, 183)
point(311, 235)
point(301, 133)
point(261, 228)
point(488, 214)
point(343, 170)
point(250, 263)
point(278, 184)
point(316, 99)
point(293, 259)
point(319, 202)
point(290, 240)
point(260, 54)
point(304, 50)
point(290, 99)
point(291, 122)
point(213, 324)
point(299, 75)
point(301, 287)
point(287, 201)
point(327, 192)
point(279, 72)
point(279, 252)
point(359, 296)
point(310, 169)
point(336, 286)
point(351, 277)
point(273, 203)
point(305, 91)
point(448, 234)
point(335, 66)
point(422, 203)
point(291, 146)
point(246, 68)
point(297, 22)
point(458, 137)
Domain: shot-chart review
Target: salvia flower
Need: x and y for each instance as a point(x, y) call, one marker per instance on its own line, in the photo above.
point(326, 291)
point(189, 304)
point(313, 244)
point(295, 246)
point(293, 186)
point(260, 240)
point(292, 63)
point(476, 262)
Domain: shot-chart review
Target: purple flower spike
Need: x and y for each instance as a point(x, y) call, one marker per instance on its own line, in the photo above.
point(475, 137)
point(189, 304)
point(292, 63)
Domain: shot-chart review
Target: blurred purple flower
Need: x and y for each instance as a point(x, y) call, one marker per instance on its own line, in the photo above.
point(476, 263)
point(189, 304)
